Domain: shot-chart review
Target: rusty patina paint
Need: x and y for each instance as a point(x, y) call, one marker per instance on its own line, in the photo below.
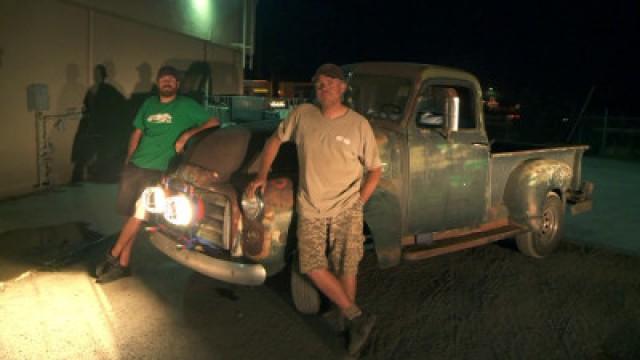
point(197, 175)
point(206, 180)
point(528, 186)
point(266, 238)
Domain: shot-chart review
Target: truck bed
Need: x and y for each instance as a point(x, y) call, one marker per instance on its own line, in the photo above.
point(505, 157)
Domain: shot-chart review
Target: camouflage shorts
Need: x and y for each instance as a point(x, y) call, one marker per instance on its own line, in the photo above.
point(334, 243)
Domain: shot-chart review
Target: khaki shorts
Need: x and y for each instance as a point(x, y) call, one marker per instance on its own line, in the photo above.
point(132, 183)
point(334, 243)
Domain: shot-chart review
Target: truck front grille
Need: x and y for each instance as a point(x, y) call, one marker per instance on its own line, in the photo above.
point(215, 227)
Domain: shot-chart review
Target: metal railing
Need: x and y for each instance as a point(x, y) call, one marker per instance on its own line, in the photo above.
point(610, 135)
point(44, 146)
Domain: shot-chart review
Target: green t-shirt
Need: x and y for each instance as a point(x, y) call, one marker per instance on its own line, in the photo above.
point(161, 125)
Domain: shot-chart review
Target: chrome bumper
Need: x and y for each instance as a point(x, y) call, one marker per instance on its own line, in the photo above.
point(229, 271)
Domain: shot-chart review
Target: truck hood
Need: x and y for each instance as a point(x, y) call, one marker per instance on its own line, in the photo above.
point(227, 150)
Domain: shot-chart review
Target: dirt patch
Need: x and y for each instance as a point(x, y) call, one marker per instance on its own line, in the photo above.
point(42, 247)
point(493, 302)
point(485, 303)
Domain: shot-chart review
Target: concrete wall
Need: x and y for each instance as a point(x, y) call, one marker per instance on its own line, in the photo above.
point(219, 21)
point(57, 43)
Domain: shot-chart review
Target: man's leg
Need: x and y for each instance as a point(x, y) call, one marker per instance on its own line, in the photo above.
point(122, 248)
point(349, 284)
point(329, 285)
point(347, 251)
point(116, 264)
point(312, 245)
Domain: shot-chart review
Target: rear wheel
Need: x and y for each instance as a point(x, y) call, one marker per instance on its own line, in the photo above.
point(544, 241)
point(306, 297)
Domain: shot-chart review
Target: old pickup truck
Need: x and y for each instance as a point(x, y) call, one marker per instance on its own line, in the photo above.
point(444, 187)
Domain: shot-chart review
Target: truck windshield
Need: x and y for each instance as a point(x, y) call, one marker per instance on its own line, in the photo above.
point(378, 96)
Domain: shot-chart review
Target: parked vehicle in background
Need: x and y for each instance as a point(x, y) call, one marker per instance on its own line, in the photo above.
point(444, 187)
point(257, 88)
point(502, 121)
point(296, 91)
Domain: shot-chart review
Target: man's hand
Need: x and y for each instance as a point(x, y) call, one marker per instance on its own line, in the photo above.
point(182, 141)
point(257, 184)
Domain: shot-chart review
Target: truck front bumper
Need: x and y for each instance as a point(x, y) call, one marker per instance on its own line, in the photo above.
point(225, 270)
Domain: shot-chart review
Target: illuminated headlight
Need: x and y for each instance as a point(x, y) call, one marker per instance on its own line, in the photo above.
point(252, 208)
point(277, 104)
point(154, 199)
point(179, 210)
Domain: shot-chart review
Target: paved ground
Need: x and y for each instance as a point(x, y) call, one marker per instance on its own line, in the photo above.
point(483, 303)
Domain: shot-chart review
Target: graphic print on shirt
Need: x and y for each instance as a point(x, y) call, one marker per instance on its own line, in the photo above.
point(343, 139)
point(162, 118)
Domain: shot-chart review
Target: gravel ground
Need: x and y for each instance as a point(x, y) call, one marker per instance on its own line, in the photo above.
point(582, 302)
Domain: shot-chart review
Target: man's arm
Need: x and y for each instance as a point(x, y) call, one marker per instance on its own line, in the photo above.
point(182, 140)
point(269, 153)
point(134, 140)
point(370, 183)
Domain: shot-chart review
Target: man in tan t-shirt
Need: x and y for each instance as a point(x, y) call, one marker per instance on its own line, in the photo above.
point(335, 147)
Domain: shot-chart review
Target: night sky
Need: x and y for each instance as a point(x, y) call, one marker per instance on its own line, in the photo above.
point(553, 51)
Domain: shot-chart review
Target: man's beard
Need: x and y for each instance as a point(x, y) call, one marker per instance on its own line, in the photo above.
point(168, 91)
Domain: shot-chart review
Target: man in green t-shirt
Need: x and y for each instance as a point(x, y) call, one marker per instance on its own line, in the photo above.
point(339, 170)
point(163, 125)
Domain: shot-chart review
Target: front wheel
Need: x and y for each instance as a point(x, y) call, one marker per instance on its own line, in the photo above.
point(544, 241)
point(306, 297)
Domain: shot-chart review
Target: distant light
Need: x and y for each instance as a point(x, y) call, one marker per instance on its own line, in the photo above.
point(277, 104)
point(200, 17)
point(201, 6)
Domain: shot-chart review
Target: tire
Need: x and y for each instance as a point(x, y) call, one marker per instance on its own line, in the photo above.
point(306, 297)
point(543, 242)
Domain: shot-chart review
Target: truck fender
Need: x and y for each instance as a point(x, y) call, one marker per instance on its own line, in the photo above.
point(383, 216)
point(265, 241)
point(528, 186)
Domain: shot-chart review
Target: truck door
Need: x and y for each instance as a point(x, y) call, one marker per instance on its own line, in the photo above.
point(448, 170)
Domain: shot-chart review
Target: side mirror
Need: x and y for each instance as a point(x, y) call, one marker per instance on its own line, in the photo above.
point(430, 120)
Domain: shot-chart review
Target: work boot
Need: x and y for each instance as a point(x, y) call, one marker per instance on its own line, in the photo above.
point(107, 263)
point(113, 273)
point(360, 329)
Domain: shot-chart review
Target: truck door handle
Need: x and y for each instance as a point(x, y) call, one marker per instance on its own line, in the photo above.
point(479, 144)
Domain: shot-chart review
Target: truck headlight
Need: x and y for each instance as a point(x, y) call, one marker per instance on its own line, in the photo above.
point(252, 208)
point(179, 210)
point(154, 199)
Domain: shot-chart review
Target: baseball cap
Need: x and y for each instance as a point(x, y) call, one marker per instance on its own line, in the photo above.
point(329, 70)
point(167, 70)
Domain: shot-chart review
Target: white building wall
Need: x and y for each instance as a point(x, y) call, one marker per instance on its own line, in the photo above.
point(57, 43)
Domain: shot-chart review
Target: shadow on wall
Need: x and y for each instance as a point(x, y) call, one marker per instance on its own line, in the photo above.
point(100, 143)
point(72, 90)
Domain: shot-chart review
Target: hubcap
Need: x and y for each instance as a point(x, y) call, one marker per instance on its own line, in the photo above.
point(549, 225)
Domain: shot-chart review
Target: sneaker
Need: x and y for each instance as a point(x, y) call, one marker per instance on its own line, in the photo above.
point(359, 331)
point(107, 263)
point(335, 320)
point(113, 273)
